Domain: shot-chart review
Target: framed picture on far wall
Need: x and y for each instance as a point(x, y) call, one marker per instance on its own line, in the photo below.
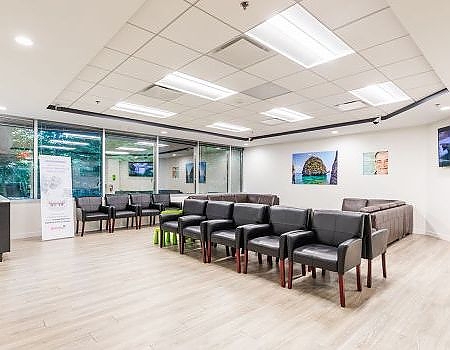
point(189, 173)
point(315, 168)
point(175, 172)
point(376, 163)
point(202, 172)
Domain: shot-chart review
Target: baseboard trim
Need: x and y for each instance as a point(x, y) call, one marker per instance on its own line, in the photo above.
point(438, 236)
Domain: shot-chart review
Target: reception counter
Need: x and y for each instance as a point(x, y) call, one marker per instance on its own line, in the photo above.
point(4, 226)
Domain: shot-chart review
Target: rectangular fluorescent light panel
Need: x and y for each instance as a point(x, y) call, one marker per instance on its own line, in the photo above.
point(194, 86)
point(228, 127)
point(287, 115)
point(131, 149)
point(67, 142)
point(147, 143)
point(350, 106)
point(114, 153)
point(380, 94)
point(142, 110)
point(80, 136)
point(62, 148)
point(299, 36)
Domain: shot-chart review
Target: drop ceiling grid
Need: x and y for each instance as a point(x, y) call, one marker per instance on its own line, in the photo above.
point(312, 93)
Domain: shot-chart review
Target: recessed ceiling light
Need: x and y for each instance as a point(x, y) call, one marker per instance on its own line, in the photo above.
point(246, 144)
point(81, 136)
point(142, 110)
point(144, 143)
point(174, 155)
point(194, 86)
point(288, 115)
point(380, 94)
point(63, 148)
point(131, 149)
point(299, 36)
point(116, 153)
point(2, 108)
point(163, 132)
point(445, 108)
point(350, 106)
point(23, 40)
point(228, 127)
point(67, 142)
point(335, 132)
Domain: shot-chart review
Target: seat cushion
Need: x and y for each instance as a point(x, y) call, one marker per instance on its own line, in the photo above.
point(192, 231)
point(317, 255)
point(170, 226)
point(125, 214)
point(150, 212)
point(268, 245)
point(95, 216)
point(225, 237)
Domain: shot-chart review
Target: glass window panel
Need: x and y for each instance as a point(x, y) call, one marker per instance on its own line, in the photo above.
point(213, 169)
point(236, 170)
point(85, 150)
point(129, 164)
point(176, 167)
point(16, 162)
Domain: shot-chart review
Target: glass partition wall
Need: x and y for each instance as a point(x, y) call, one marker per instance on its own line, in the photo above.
point(129, 165)
point(213, 169)
point(236, 170)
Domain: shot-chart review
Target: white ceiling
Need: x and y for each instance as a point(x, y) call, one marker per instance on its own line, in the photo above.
point(93, 63)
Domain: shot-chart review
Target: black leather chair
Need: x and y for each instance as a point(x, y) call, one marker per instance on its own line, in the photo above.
point(229, 232)
point(165, 202)
point(121, 209)
point(374, 244)
point(334, 243)
point(193, 211)
point(91, 209)
point(270, 239)
point(196, 228)
point(144, 205)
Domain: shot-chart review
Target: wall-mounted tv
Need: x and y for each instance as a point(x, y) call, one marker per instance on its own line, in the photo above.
point(444, 146)
point(144, 169)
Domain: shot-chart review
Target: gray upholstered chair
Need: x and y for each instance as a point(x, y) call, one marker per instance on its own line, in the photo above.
point(144, 205)
point(270, 239)
point(229, 232)
point(195, 228)
point(334, 244)
point(91, 209)
point(121, 209)
point(193, 211)
point(164, 202)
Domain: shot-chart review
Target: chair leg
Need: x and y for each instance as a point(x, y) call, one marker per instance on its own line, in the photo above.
point(323, 272)
point(277, 260)
point(269, 260)
point(209, 252)
point(227, 250)
point(137, 223)
point(290, 273)
point(182, 243)
point(82, 228)
point(245, 261)
point(358, 278)
point(369, 273)
point(259, 258)
point(161, 237)
point(233, 252)
point(313, 272)
point(101, 225)
point(128, 222)
point(238, 260)
point(113, 225)
point(282, 273)
point(78, 226)
point(140, 221)
point(383, 264)
point(303, 270)
point(202, 245)
point(341, 290)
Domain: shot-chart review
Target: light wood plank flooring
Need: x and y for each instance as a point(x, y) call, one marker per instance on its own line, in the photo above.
point(119, 291)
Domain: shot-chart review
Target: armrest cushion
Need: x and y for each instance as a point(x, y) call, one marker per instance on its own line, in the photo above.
point(349, 254)
point(189, 220)
point(155, 206)
point(210, 226)
point(251, 231)
point(176, 205)
point(106, 209)
point(134, 207)
point(376, 244)
point(81, 214)
point(370, 209)
point(168, 217)
point(296, 239)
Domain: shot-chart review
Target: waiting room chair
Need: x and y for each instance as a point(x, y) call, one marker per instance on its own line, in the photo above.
point(121, 209)
point(144, 205)
point(91, 209)
point(164, 202)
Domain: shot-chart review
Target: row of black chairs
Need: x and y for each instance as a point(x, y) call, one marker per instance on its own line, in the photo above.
point(122, 206)
point(331, 240)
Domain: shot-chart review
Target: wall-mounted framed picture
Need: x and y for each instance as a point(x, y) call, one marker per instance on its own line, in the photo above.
point(175, 172)
point(202, 172)
point(315, 168)
point(189, 173)
point(376, 163)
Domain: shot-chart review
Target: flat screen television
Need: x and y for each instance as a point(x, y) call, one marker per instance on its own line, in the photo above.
point(144, 169)
point(444, 146)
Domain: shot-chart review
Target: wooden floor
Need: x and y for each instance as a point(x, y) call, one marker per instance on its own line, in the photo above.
point(119, 291)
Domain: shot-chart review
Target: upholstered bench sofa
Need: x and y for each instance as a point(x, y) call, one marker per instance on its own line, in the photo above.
point(394, 215)
point(268, 199)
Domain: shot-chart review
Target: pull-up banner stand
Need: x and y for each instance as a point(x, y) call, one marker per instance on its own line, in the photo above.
point(56, 197)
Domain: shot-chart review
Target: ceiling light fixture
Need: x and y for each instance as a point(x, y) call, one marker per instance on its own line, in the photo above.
point(80, 136)
point(2, 108)
point(287, 115)
point(67, 142)
point(142, 110)
point(147, 143)
point(131, 149)
point(335, 132)
point(380, 94)
point(62, 148)
point(116, 153)
point(163, 132)
point(445, 108)
point(194, 86)
point(350, 106)
point(228, 127)
point(299, 36)
point(23, 40)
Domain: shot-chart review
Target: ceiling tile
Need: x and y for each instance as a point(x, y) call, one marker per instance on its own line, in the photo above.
point(287, 100)
point(108, 93)
point(154, 15)
point(197, 113)
point(124, 82)
point(166, 53)
point(266, 90)
point(392, 51)
point(336, 13)
point(143, 70)
point(322, 113)
point(217, 107)
point(204, 31)
point(174, 107)
point(342, 67)
point(239, 100)
point(108, 59)
point(423, 91)
point(129, 39)
point(80, 86)
point(299, 81)
point(418, 80)
point(208, 69)
point(191, 100)
point(307, 107)
point(144, 100)
point(382, 26)
point(231, 12)
point(240, 81)
point(361, 80)
point(93, 103)
point(274, 67)
point(334, 100)
point(92, 74)
point(66, 97)
point(404, 68)
point(321, 90)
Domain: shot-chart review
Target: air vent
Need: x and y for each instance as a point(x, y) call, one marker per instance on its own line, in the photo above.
point(265, 91)
point(241, 52)
point(161, 93)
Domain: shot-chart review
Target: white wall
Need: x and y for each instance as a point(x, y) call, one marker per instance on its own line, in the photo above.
point(413, 173)
point(123, 181)
point(216, 172)
point(167, 182)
